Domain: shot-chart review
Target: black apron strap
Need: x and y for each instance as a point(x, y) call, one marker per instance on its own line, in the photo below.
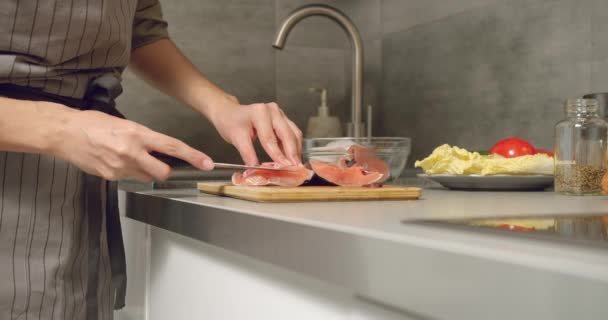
point(94, 211)
point(116, 245)
point(35, 94)
point(101, 96)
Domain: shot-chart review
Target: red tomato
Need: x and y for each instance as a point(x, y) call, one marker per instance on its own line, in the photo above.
point(515, 228)
point(543, 151)
point(512, 147)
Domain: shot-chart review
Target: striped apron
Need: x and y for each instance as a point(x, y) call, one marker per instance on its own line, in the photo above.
point(61, 247)
point(58, 226)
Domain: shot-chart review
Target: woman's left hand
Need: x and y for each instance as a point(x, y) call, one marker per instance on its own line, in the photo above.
point(240, 125)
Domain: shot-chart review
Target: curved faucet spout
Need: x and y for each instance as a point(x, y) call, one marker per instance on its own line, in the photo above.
point(356, 126)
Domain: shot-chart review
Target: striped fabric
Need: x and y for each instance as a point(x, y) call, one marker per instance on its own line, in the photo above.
point(59, 46)
point(43, 241)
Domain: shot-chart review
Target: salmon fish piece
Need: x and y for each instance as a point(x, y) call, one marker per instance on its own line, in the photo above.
point(342, 175)
point(367, 159)
point(257, 177)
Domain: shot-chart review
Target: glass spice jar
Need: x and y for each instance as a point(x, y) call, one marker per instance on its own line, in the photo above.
point(580, 149)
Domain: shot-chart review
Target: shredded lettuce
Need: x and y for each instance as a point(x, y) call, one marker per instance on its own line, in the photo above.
point(446, 159)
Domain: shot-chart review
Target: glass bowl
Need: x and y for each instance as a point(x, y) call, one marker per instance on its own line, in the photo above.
point(392, 150)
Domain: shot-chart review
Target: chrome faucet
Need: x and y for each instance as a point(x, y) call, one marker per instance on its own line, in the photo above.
point(356, 127)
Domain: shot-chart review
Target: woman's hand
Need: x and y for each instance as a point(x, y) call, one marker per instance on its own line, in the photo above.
point(162, 65)
point(114, 149)
point(241, 124)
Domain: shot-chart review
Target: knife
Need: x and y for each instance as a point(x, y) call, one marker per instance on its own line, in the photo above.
point(241, 166)
point(178, 162)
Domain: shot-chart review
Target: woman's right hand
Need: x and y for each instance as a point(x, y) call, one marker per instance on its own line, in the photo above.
point(115, 149)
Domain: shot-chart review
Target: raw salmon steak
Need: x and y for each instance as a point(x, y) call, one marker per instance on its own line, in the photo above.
point(367, 159)
point(343, 175)
point(261, 177)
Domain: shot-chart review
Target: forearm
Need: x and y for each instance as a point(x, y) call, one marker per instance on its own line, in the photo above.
point(162, 65)
point(31, 126)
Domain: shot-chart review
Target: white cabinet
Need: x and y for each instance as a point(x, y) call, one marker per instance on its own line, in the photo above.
point(174, 277)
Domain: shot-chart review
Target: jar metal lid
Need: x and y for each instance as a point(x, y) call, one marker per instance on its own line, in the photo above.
point(582, 105)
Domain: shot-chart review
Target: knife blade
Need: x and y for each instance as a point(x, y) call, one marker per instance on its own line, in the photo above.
point(245, 167)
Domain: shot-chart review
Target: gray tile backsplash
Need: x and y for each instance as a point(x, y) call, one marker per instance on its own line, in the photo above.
point(489, 72)
point(399, 15)
point(298, 68)
point(599, 45)
point(465, 72)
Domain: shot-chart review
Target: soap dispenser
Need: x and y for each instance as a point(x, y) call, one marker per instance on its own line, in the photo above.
point(323, 125)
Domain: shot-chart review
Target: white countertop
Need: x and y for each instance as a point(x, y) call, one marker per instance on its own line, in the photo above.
point(385, 225)
point(434, 205)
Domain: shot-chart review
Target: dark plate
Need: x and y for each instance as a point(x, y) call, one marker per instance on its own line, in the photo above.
point(492, 183)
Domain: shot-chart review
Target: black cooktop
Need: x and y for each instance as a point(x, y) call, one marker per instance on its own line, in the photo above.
point(591, 229)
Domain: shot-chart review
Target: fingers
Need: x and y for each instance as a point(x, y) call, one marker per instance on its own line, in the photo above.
point(153, 167)
point(285, 133)
point(158, 142)
point(262, 121)
point(140, 176)
point(244, 145)
point(299, 136)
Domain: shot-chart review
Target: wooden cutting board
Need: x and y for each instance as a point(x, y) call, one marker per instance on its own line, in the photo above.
point(303, 194)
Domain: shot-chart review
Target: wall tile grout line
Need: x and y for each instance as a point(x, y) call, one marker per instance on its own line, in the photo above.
point(451, 15)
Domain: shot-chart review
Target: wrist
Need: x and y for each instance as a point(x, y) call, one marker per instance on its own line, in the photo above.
point(212, 105)
point(55, 127)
